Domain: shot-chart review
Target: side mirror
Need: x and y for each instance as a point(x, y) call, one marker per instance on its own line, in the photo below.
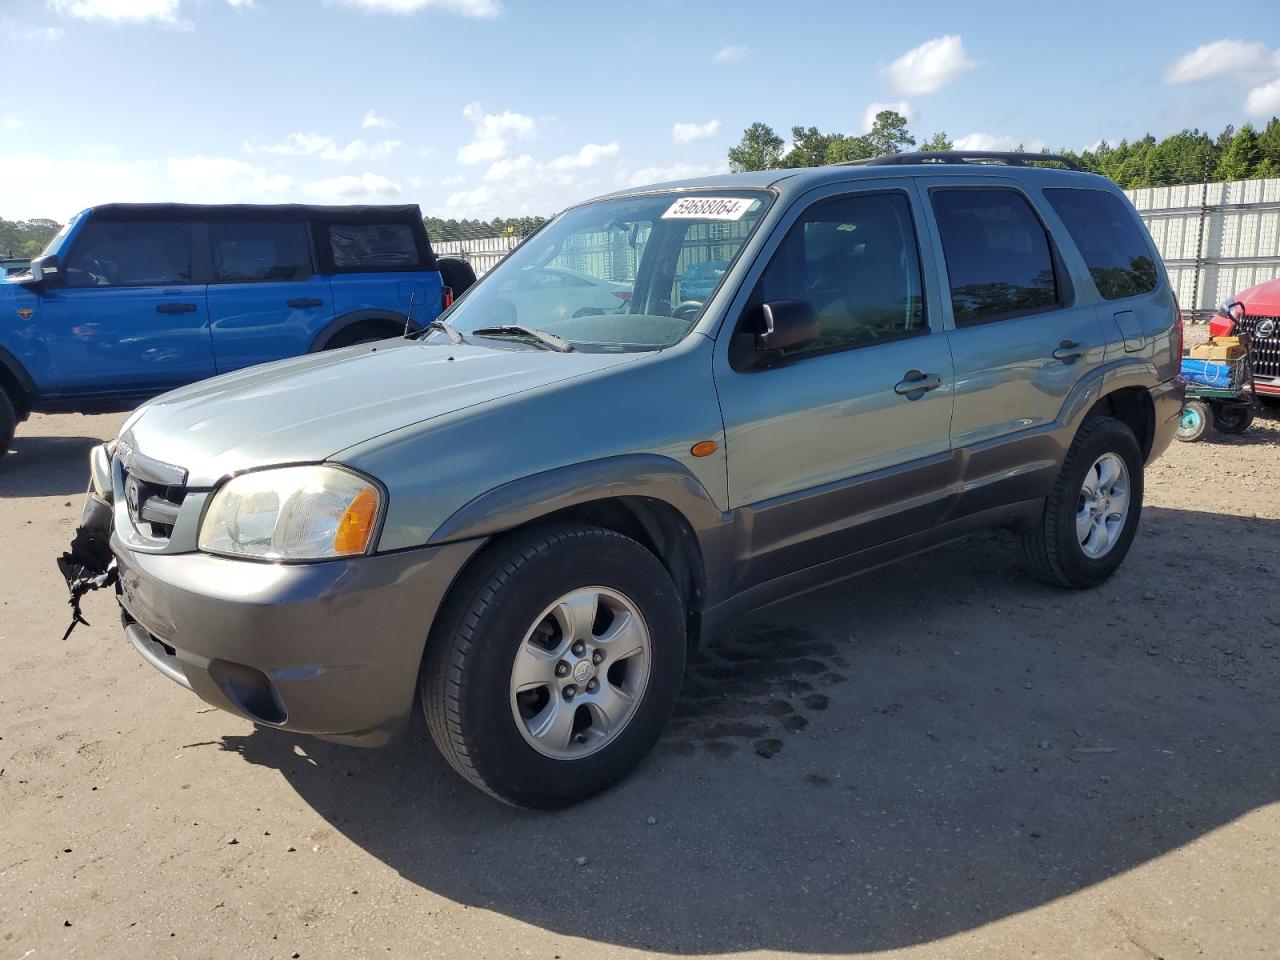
point(45, 272)
point(785, 323)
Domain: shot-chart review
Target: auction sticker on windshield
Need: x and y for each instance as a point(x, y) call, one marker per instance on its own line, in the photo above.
point(709, 208)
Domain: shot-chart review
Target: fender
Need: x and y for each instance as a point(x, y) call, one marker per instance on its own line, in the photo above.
point(11, 368)
point(352, 318)
point(642, 475)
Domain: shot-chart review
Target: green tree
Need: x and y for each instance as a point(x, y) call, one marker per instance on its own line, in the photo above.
point(26, 238)
point(1241, 156)
point(759, 149)
point(938, 142)
point(842, 149)
point(889, 133)
point(1269, 141)
point(808, 148)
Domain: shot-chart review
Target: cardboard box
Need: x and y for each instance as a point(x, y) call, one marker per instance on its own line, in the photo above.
point(1219, 348)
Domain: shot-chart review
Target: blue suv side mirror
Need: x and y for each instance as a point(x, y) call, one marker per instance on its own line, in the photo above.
point(46, 272)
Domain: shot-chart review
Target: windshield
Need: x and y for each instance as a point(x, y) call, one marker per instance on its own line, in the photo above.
point(55, 244)
point(633, 273)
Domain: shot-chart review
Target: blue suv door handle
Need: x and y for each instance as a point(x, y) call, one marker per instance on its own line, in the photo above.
point(175, 308)
point(1068, 351)
point(304, 302)
point(915, 384)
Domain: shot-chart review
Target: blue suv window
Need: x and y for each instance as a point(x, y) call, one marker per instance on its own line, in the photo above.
point(260, 252)
point(998, 256)
point(130, 253)
point(373, 246)
point(1114, 249)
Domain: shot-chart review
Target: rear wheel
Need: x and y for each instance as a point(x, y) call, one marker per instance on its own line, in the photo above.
point(555, 665)
point(1091, 516)
point(366, 332)
point(1195, 421)
point(8, 422)
point(1232, 417)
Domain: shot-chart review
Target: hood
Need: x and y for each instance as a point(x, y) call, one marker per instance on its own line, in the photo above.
point(309, 408)
point(1262, 300)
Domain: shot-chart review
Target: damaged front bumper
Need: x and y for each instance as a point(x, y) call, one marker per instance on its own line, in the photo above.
point(331, 648)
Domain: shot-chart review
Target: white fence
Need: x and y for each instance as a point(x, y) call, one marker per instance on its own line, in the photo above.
point(1216, 238)
point(482, 253)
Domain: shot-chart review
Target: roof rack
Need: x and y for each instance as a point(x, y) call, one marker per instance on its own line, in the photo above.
point(1011, 158)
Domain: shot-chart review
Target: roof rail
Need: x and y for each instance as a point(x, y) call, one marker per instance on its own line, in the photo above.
point(1009, 157)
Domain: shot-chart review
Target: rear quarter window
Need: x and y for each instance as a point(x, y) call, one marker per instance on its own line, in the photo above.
point(377, 246)
point(1107, 235)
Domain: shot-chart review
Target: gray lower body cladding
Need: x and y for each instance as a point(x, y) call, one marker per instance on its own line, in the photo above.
point(331, 649)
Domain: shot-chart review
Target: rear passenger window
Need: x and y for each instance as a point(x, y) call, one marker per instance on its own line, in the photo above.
point(856, 261)
point(1107, 236)
point(260, 252)
point(130, 253)
point(373, 246)
point(998, 257)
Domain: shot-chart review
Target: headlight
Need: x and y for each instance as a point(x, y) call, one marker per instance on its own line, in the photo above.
point(292, 513)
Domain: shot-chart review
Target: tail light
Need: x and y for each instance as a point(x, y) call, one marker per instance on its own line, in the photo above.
point(446, 298)
point(1179, 330)
point(623, 295)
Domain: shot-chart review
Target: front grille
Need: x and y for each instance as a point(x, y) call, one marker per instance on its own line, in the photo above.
point(153, 492)
point(1264, 345)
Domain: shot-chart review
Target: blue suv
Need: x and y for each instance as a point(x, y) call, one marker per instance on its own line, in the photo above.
point(131, 300)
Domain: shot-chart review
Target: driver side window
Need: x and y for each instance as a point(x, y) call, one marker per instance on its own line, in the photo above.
point(856, 261)
point(130, 253)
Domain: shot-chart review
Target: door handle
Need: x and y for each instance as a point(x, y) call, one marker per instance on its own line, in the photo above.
point(175, 308)
point(915, 384)
point(1068, 351)
point(304, 302)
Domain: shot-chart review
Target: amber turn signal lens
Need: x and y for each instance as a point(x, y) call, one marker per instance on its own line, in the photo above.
point(356, 526)
point(704, 448)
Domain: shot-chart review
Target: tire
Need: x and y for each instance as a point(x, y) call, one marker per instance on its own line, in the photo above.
point(1197, 418)
point(1056, 550)
point(1232, 418)
point(456, 274)
point(8, 422)
point(506, 606)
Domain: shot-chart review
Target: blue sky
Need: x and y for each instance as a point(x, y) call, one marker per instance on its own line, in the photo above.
point(505, 107)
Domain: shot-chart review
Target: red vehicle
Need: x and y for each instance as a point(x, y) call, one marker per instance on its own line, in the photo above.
point(1256, 312)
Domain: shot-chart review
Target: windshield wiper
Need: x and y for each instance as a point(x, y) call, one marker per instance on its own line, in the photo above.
point(550, 339)
point(444, 325)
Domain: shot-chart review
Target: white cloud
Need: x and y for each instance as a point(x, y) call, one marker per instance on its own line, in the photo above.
point(326, 148)
point(1264, 101)
point(456, 180)
point(505, 168)
point(242, 4)
point(374, 122)
point(731, 54)
point(675, 171)
point(869, 114)
point(478, 9)
point(469, 200)
point(588, 156)
point(1223, 58)
point(366, 186)
point(689, 132)
point(12, 123)
point(223, 179)
point(118, 11)
point(992, 141)
point(490, 132)
point(930, 66)
point(24, 31)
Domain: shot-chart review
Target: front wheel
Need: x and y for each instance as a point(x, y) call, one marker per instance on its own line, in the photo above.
point(555, 665)
point(8, 421)
point(1091, 516)
point(1197, 417)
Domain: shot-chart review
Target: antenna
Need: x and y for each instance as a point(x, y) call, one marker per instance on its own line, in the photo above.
point(408, 317)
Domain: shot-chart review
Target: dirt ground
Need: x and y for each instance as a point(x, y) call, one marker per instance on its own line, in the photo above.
point(940, 759)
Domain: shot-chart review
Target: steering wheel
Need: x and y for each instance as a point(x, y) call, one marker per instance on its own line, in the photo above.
point(687, 310)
